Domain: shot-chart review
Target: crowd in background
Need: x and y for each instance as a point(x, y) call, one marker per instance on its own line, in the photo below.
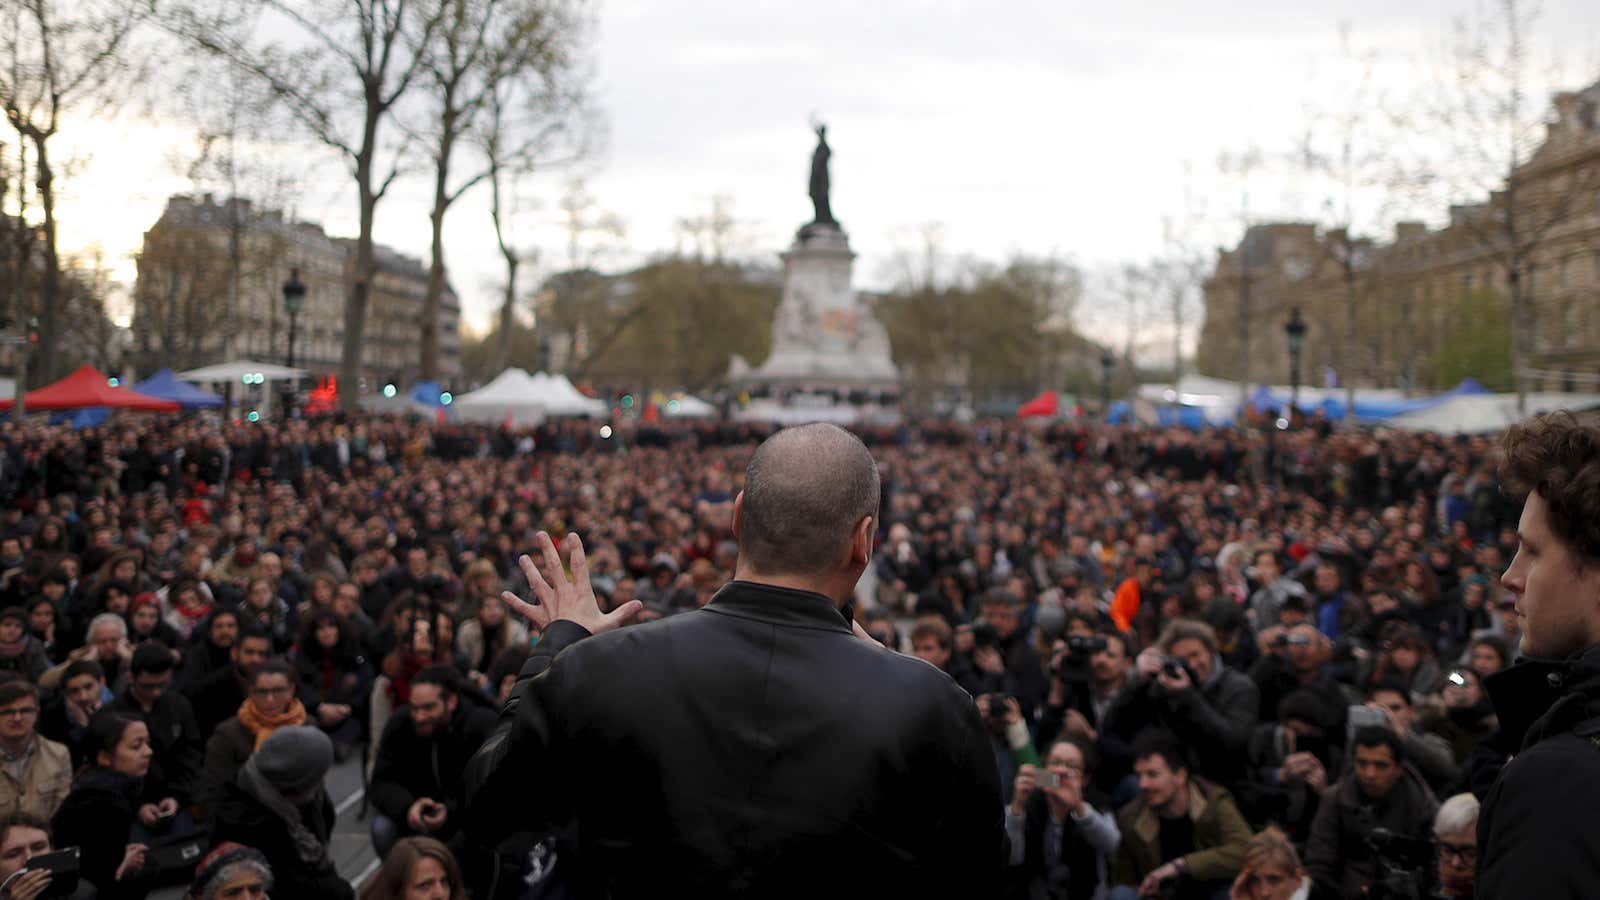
point(1234, 662)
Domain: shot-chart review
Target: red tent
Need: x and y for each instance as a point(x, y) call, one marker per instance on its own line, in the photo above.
point(87, 387)
point(1045, 404)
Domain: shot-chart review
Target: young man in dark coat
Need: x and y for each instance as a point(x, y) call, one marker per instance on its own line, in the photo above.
point(762, 745)
point(1535, 832)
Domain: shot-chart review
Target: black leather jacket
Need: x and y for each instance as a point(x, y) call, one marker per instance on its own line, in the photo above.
point(752, 748)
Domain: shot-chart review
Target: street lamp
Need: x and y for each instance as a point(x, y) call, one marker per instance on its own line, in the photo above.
point(1107, 364)
point(1295, 329)
point(294, 294)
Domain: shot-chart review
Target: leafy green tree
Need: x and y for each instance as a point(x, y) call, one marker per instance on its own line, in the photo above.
point(1476, 344)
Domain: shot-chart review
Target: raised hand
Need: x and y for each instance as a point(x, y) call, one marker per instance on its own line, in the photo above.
point(562, 598)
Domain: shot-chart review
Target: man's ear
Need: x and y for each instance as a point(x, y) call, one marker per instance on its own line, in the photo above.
point(738, 509)
point(861, 541)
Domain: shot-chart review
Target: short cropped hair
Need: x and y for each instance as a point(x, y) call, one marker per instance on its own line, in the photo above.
point(1380, 736)
point(151, 658)
point(1155, 742)
point(805, 490)
point(1458, 814)
point(1558, 458)
point(935, 629)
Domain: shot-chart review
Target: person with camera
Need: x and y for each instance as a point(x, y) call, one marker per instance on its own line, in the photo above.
point(1002, 649)
point(1061, 844)
point(1087, 674)
point(1428, 752)
point(1297, 659)
point(1182, 687)
point(1290, 761)
point(1380, 794)
point(1183, 836)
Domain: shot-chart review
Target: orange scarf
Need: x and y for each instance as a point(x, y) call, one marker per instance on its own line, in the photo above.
point(262, 725)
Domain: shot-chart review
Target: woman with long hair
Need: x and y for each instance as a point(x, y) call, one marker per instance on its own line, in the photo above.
point(110, 795)
point(417, 868)
point(334, 677)
point(1405, 657)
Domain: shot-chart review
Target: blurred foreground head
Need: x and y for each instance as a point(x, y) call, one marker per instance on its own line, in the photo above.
point(808, 511)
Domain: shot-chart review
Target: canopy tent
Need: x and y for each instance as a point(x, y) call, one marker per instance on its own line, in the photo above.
point(165, 385)
point(517, 398)
point(1217, 401)
point(1046, 404)
point(237, 369)
point(87, 387)
point(689, 407)
point(1488, 413)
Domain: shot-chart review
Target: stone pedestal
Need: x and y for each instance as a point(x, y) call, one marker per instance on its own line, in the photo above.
point(822, 336)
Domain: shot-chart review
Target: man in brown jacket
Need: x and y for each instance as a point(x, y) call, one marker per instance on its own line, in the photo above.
point(35, 773)
point(1180, 828)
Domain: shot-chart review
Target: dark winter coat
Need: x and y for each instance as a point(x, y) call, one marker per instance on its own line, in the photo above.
point(1536, 836)
point(243, 819)
point(751, 748)
point(409, 766)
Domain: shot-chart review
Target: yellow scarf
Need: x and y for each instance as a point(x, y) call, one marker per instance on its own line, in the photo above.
point(263, 725)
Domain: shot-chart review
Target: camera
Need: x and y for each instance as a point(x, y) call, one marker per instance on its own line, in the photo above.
point(1172, 667)
point(1403, 864)
point(997, 710)
point(1074, 664)
point(984, 635)
point(1085, 644)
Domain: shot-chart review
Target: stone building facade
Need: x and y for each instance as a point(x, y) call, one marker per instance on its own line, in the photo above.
point(184, 316)
point(1403, 303)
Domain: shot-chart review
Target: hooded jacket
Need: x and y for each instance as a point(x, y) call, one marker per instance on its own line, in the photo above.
point(1536, 836)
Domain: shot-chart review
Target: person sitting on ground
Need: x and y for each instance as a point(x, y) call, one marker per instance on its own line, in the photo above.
point(1179, 829)
point(1272, 870)
point(210, 649)
point(20, 651)
point(417, 779)
point(488, 633)
point(1455, 835)
point(219, 696)
point(1061, 844)
point(231, 872)
point(418, 868)
point(1378, 792)
point(22, 837)
point(108, 802)
point(174, 733)
point(271, 705)
point(278, 805)
point(35, 772)
point(334, 678)
point(1430, 753)
point(66, 714)
point(107, 644)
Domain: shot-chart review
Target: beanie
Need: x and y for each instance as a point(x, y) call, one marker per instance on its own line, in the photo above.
point(227, 856)
point(294, 759)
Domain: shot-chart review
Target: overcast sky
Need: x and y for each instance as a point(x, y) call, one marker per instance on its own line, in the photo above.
point(1040, 127)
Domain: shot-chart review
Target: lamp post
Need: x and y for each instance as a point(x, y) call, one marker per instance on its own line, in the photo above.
point(294, 294)
point(1107, 364)
point(1295, 329)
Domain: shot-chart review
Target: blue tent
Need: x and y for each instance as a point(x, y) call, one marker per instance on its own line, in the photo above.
point(427, 393)
point(165, 385)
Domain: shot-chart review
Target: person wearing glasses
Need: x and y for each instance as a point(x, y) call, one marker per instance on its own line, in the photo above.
point(1061, 845)
point(271, 704)
point(35, 772)
point(1455, 834)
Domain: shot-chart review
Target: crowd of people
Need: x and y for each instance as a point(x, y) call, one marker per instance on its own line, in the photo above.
point(1227, 663)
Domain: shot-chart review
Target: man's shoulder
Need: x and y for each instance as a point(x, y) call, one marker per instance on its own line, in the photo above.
point(1551, 763)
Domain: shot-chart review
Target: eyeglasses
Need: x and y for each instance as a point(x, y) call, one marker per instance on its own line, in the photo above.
point(269, 691)
point(21, 712)
point(1467, 853)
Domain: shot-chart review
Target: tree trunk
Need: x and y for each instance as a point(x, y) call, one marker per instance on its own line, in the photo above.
point(50, 318)
point(508, 318)
point(428, 363)
point(355, 308)
point(1349, 335)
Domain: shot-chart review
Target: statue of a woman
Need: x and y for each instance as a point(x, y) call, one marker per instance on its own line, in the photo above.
point(819, 179)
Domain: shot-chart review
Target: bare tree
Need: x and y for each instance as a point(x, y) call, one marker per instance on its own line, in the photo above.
point(481, 48)
point(58, 58)
point(352, 65)
point(1346, 145)
point(1479, 120)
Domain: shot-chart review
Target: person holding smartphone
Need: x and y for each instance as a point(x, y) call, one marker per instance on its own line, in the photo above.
point(1061, 844)
point(25, 857)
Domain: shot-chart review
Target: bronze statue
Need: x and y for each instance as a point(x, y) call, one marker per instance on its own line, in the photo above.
point(819, 179)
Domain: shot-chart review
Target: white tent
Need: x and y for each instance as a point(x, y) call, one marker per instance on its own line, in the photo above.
point(234, 371)
point(1488, 413)
point(521, 399)
point(689, 407)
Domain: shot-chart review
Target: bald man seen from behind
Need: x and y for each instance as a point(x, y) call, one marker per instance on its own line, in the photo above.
point(759, 746)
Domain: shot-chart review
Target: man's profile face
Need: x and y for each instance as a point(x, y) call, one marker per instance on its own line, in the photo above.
point(930, 650)
point(1376, 771)
point(1558, 595)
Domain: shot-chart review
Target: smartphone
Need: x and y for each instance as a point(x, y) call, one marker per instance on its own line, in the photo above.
point(1044, 778)
point(63, 868)
point(1362, 716)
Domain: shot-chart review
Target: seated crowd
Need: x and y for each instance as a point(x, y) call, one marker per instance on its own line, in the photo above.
point(1212, 664)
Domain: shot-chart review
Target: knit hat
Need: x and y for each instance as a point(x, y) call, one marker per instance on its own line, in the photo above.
point(213, 870)
point(295, 759)
point(14, 612)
